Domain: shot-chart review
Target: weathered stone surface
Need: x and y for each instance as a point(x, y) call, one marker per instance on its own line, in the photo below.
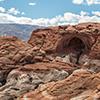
point(29, 77)
point(57, 63)
point(15, 51)
point(54, 40)
point(95, 50)
point(80, 85)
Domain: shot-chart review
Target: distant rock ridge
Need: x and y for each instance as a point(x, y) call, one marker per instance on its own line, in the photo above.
point(22, 31)
point(56, 63)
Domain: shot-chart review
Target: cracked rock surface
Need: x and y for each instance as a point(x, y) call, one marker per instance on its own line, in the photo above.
point(57, 63)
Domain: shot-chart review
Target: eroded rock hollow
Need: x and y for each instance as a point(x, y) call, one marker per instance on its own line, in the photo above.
point(57, 63)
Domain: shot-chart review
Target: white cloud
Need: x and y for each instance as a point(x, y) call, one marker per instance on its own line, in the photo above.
point(7, 18)
point(96, 13)
point(67, 18)
point(22, 13)
point(2, 9)
point(78, 1)
point(83, 13)
point(88, 2)
point(13, 11)
point(32, 4)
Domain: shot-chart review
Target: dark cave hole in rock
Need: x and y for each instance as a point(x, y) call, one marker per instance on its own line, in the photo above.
point(76, 44)
point(3, 81)
point(77, 47)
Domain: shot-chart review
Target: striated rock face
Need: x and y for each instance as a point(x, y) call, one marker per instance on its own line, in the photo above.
point(60, 39)
point(80, 85)
point(13, 50)
point(57, 63)
point(14, 53)
point(29, 77)
point(76, 41)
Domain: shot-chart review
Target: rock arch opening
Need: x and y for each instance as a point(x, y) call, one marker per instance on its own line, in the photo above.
point(71, 49)
point(77, 47)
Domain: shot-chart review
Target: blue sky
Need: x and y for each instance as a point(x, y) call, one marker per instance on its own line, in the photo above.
point(49, 12)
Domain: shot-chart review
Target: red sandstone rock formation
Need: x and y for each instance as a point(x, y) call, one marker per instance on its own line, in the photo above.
point(81, 85)
point(29, 77)
point(13, 50)
point(57, 63)
point(66, 39)
point(14, 53)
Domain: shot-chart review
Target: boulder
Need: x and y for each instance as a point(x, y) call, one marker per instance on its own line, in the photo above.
point(29, 77)
point(81, 39)
point(78, 86)
point(14, 53)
